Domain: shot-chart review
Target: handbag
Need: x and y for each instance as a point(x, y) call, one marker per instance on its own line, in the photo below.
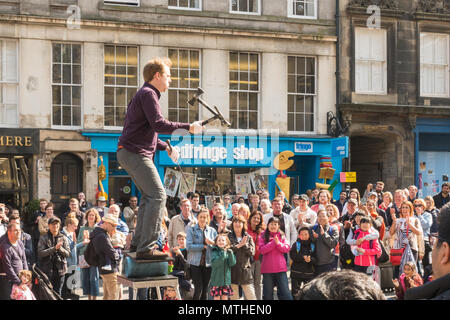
point(83, 263)
point(395, 256)
point(384, 255)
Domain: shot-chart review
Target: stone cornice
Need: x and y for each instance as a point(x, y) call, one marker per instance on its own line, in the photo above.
point(395, 109)
point(87, 23)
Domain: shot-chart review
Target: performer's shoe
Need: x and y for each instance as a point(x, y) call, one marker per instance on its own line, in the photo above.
point(153, 254)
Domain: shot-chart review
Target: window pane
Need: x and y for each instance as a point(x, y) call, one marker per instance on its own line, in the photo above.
point(243, 62)
point(243, 120)
point(76, 116)
point(132, 76)
point(56, 52)
point(173, 99)
point(243, 84)
point(184, 59)
point(173, 114)
point(243, 101)
point(57, 115)
point(173, 3)
point(233, 61)
point(233, 100)
point(233, 80)
point(300, 104)
point(67, 53)
point(309, 125)
point(234, 5)
point(291, 103)
point(301, 82)
point(56, 94)
point(291, 84)
point(76, 96)
point(301, 65)
point(310, 9)
point(76, 74)
point(291, 65)
point(309, 104)
point(109, 116)
point(120, 97)
point(182, 98)
point(299, 122)
point(67, 73)
point(195, 60)
point(253, 120)
point(183, 3)
point(109, 96)
point(291, 118)
point(9, 63)
point(109, 55)
point(76, 53)
point(131, 92)
point(132, 56)
point(67, 94)
point(184, 82)
point(254, 81)
point(56, 73)
point(120, 116)
point(233, 119)
point(253, 101)
point(121, 53)
point(193, 113)
point(254, 62)
point(66, 116)
point(121, 73)
point(194, 79)
point(109, 75)
point(310, 66)
point(183, 116)
point(175, 78)
point(310, 84)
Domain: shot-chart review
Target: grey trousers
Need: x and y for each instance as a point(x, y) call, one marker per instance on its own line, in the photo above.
point(150, 214)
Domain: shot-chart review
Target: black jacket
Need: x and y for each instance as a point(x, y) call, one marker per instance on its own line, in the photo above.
point(103, 248)
point(241, 272)
point(300, 269)
point(440, 201)
point(438, 289)
point(51, 259)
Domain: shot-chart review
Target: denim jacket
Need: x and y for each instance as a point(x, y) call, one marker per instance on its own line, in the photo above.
point(194, 244)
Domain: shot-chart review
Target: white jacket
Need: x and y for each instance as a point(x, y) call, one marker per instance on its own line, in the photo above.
point(289, 225)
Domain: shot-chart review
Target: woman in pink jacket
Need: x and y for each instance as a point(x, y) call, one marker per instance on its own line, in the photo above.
point(366, 251)
point(273, 247)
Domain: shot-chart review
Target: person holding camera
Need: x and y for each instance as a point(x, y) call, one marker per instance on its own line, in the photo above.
point(53, 251)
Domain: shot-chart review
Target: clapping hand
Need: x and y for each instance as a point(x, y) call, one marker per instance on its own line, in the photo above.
point(307, 258)
point(321, 229)
point(243, 242)
point(277, 241)
point(315, 235)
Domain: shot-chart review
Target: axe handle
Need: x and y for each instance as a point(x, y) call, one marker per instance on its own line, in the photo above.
point(205, 122)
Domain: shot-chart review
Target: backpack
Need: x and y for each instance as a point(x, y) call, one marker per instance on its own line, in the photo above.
point(91, 256)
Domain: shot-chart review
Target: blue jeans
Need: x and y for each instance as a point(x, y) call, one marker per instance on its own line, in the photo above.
point(280, 280)
point(143, 172)
point(90, 281)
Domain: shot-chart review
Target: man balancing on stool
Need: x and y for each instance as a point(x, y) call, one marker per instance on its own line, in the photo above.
point(136, 148)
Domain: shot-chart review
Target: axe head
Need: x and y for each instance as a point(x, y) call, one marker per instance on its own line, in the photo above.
point(196, 96)
point(223, 121)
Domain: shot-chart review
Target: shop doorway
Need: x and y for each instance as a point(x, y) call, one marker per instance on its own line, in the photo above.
point(367, 155)
point(66, 176)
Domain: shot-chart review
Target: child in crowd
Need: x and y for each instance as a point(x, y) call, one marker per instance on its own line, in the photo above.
point(365, 251)
point(273, 246)
point(408, 279)
point(170, 294)
point(303, 258)
point(23, 291)
point(180, 255)
point(222, 259)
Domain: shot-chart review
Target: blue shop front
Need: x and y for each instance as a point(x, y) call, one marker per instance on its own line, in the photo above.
point(432, 154)
point(219, 161)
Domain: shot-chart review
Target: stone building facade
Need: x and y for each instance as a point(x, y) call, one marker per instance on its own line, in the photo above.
point(395, 90)
point(79, 62)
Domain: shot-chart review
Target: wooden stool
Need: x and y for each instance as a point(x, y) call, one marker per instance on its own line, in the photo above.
point(149, 282)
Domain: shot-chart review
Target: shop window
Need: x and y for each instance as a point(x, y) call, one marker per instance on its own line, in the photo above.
point(244, 90)
point(434, 66)
point(66, 84)
point(121, 82)
point(185, 4)
point(302, 9)
point(370, 61)
point(185, 74)
point(245, 6)
point(9, 83)
point(301, 93)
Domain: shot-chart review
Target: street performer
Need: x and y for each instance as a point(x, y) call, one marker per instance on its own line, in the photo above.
point(136, 148)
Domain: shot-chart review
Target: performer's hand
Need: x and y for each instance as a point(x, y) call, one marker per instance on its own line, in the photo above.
point(173, 154)
point(196, 127)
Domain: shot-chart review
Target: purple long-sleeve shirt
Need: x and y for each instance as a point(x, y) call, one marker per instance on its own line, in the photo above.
point(144, 120)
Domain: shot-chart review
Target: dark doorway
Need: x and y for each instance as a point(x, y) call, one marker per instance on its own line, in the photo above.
point(66, 177)
point(367, 156)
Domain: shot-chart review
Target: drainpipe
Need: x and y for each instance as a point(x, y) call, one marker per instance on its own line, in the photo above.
point(338, 55)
